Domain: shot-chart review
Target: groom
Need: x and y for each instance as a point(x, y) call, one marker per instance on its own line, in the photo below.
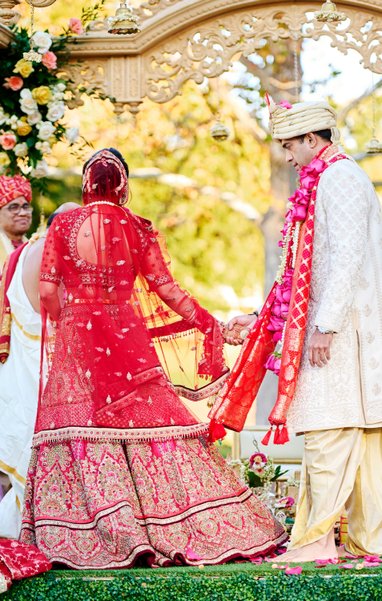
point(329, 319)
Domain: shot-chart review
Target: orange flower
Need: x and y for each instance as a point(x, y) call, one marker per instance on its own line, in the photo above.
point(13, 83)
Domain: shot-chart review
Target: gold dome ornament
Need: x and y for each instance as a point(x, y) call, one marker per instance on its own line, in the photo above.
point(374, 146)
point(219, 131)
point(329, 13)
point(125, 22)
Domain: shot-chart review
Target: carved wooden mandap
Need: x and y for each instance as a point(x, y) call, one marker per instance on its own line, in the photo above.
point(184, 40)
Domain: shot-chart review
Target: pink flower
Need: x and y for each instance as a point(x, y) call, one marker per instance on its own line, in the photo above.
point(13, 83)
point(320, 563)
point(276, 324)
point(372, 558)
point(287, 278)
point(8, 140)
point(283, 293)
point(301, 197)
point(49, 60)
point(346, 566)
point(296, 570)
point(257, 459)
point(309, 173)
point(285, 104)
point(299, 213)
point(286, 502)
point(273, 363)
point(277, 336)
point(75, 26)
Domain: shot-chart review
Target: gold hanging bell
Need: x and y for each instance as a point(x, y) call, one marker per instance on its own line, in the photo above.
point(219, 131)
point(374, 146)
point(329, 13)
point(125, 22)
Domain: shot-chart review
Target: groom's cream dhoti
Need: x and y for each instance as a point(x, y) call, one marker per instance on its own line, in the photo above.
point(338, 473)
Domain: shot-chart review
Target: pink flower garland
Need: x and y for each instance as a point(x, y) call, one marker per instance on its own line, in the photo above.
point(298, 208)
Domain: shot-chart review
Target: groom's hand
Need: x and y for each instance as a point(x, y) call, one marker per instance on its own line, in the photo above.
point(319, 349)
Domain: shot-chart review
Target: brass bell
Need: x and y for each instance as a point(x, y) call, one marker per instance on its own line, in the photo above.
point(329, 13)
point(124, 22)
point(374, 146)
point(219, 131)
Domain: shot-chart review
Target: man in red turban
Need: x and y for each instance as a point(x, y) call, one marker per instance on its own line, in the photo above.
point(15, 213)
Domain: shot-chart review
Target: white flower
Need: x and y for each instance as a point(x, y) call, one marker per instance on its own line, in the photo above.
point(56, 111)
point(13, 122)
point(25, 93)
point(57, 95)
point(21, 150)
point(41, 169)
point(42, 41)
point(32, 56)
point(72, 134)
point(60, 87)
point(44, 147)
point(28, 105)
point(3, 116)
point(34, 118)
point(46, 129)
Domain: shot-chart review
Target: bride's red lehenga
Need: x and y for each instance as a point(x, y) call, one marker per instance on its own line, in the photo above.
point(120, 468)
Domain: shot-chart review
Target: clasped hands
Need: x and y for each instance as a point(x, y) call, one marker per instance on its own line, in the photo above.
point(235, 331)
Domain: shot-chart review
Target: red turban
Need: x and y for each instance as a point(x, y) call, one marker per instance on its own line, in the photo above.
point(13, 186)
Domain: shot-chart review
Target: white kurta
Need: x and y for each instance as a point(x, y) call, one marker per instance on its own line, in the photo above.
point(346, 297)
point(19, 377)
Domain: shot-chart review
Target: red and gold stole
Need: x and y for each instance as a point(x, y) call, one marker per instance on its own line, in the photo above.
point(240, 389)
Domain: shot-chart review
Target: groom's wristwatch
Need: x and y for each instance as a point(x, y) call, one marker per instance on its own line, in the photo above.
point(323, 330)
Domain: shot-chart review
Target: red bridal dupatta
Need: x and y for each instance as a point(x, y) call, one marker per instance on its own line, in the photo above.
point(123, 311)
point(5, 308)
point(18, 561)
point(240, 389)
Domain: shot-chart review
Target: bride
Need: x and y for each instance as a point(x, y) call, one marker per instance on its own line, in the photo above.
point(121, 471)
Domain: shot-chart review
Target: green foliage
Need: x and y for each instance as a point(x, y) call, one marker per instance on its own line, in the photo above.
point(237, 582)
point(92, 12)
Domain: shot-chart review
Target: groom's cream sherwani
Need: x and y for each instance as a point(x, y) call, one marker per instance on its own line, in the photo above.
point(346, 296)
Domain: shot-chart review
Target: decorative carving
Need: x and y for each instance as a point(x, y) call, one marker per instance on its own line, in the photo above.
point(85, 77)
point(194, 39)
point(208, 50)
point(8, 14)
point(149, 8)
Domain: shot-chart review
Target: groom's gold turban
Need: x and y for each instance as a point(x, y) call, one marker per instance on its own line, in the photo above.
point(301, 118)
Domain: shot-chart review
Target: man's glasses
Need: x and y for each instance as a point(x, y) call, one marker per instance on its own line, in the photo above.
point(15, 208)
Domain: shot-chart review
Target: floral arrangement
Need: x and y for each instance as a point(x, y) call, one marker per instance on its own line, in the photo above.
point(259, 470)
point(35, 91)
